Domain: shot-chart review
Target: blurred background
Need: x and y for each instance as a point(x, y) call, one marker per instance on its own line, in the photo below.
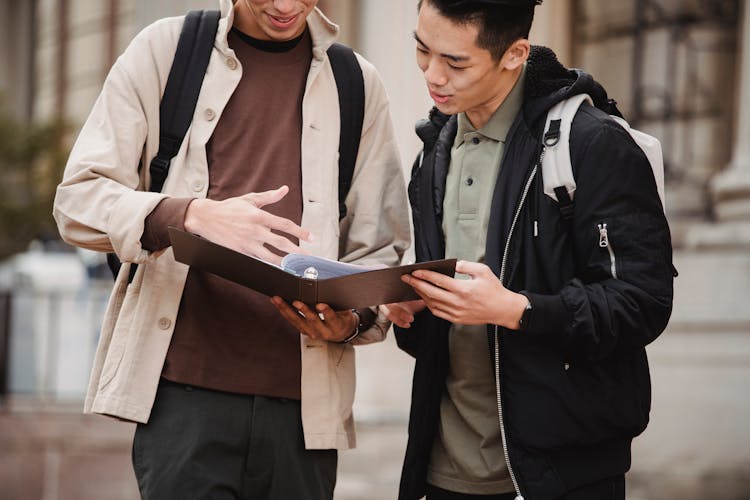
point(680, 70)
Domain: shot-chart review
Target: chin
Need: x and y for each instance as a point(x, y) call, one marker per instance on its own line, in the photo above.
point(446, 108)
point(282, 36)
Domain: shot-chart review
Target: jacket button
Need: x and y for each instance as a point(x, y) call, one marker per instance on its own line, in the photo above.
point(475, 140)
point(165, 323)
point(469, 181)
point(198, 186)
point(232, 63)
point(210, 114)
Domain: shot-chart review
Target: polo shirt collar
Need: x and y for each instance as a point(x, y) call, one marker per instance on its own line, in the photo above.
point(499, 124)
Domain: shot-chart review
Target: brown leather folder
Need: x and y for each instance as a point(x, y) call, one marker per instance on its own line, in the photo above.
point(363, 289)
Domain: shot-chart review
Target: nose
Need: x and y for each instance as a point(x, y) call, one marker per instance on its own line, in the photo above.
point(434, 74)
point(284, 6)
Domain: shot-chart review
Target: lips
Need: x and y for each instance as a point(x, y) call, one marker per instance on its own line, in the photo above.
point(282, 22)
point(439, 98)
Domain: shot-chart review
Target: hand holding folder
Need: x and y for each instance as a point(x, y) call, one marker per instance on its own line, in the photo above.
point(340, 285)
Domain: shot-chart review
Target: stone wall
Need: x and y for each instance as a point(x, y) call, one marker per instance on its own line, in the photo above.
point(670, 66)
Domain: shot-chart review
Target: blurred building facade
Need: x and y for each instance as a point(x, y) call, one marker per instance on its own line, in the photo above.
point(680, 69)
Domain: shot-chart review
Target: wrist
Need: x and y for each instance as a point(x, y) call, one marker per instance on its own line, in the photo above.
point(193, 215)
point(356, 330)
point(525, 318)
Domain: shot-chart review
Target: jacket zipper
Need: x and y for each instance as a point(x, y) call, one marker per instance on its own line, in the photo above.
point(605, 243)
point(503, 265)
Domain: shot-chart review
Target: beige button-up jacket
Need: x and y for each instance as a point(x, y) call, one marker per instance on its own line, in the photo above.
point(102, 203)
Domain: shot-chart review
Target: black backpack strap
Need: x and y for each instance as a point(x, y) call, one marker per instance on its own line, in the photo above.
point(351, 87)
point(179, 100)
point(183, 86)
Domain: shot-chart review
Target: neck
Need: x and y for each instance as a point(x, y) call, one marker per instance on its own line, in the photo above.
point(481, 114)
point(269, 45)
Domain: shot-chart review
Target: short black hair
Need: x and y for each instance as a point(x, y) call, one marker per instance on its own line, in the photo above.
point(500, 22)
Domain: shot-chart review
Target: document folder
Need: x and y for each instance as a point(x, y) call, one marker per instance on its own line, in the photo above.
point(341, 286)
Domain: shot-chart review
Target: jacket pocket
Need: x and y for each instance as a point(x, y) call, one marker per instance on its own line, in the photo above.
point(606, 244)
point(341, 370)
point(120, 335)
point(562, 402)
point(611, 398)
point(634, 248)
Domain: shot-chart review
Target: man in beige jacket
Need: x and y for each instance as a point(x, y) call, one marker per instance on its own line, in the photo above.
point(231, 400)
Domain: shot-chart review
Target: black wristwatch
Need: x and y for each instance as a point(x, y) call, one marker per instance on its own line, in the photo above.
point(523, 323)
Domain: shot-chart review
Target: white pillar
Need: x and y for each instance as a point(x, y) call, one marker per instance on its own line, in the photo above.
point(552, 28)
point(731, 188)
point(15, 55)
point(386, 38)
point(147, 11)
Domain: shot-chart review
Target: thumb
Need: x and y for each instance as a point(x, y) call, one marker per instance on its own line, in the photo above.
point(266, 197)
point(472, 269)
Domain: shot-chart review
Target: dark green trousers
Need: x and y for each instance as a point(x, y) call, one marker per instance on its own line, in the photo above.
point(203, 444)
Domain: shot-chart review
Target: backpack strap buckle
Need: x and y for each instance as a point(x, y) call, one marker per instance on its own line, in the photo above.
point(159, 169)
point(552, 135)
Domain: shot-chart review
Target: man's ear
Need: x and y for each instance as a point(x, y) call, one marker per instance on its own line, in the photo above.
point(517, 54)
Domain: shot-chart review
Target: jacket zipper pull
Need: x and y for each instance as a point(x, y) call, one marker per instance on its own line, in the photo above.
point(603, 237)
point(604, 243)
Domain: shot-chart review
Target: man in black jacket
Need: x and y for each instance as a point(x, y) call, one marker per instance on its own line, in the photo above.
point(531, 376)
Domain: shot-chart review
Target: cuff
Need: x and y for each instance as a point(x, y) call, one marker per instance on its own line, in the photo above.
point(548, 315)
point(169, 212)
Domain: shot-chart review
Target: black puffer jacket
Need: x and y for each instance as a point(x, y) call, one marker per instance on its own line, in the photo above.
point(575, 386)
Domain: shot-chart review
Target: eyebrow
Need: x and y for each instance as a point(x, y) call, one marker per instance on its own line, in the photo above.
point(447, 56)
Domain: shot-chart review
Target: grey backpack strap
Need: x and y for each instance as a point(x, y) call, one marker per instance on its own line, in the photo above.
point(557, 171)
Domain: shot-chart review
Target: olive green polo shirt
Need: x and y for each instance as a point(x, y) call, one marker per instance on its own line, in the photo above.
point(467, 455)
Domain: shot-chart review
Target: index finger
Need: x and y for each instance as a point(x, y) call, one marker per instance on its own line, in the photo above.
point(287, 226)
point(325, 309)
point(435, 278)
point(470, 268)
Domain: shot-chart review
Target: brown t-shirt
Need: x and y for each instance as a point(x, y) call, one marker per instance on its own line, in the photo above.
point(228, 337)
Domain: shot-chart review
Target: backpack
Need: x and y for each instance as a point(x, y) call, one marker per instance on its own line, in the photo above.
point(557, 171)
point(184, 84)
